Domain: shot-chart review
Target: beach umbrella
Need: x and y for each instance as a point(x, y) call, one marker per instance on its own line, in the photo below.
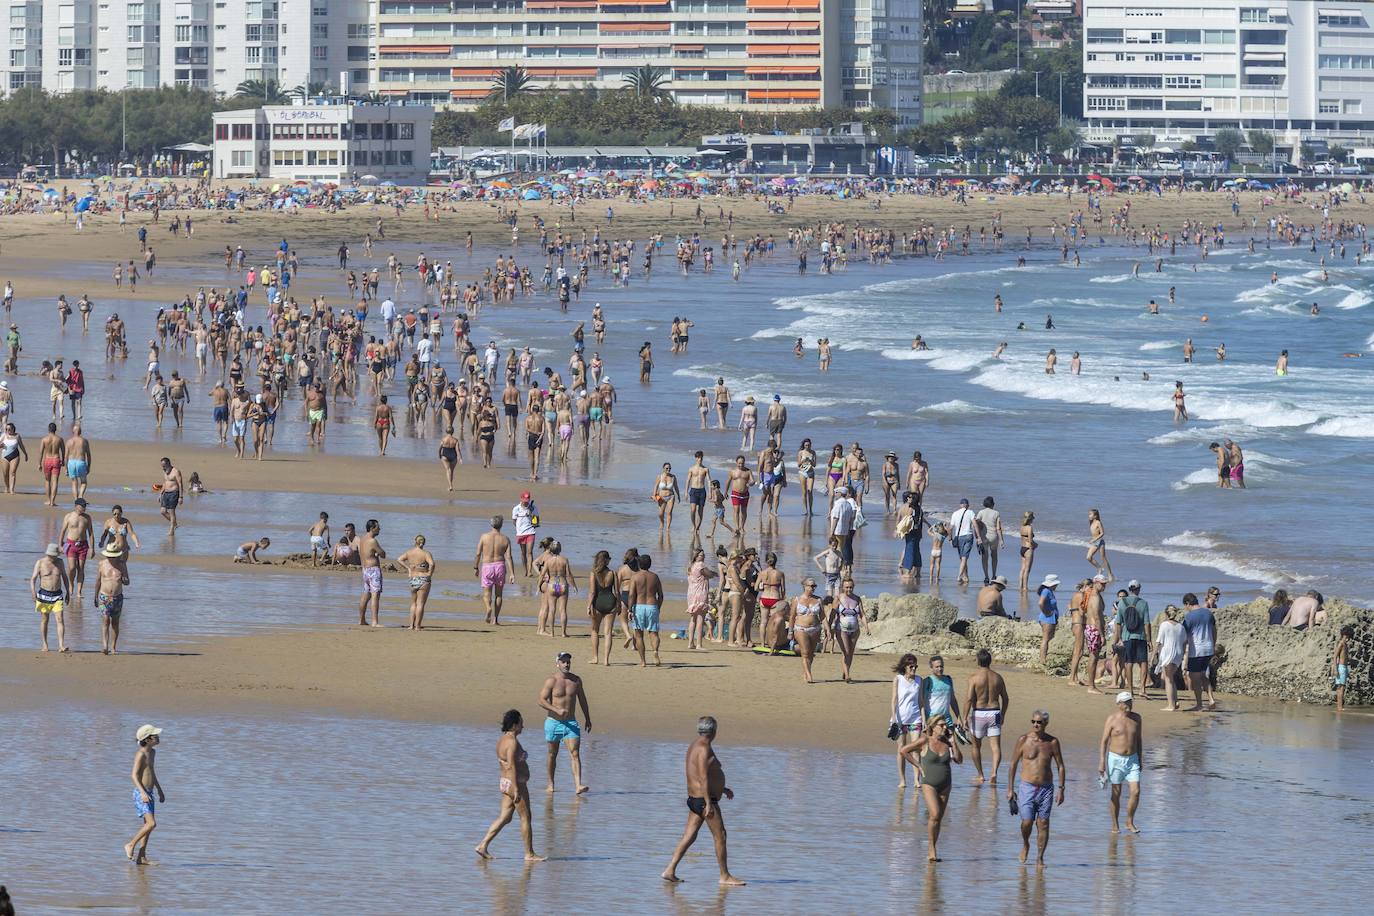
point(84, 204)
point(531, 194)
point(650, 184)
point(388, 184)
point(50, 192)
point(559, 188)
point(500, 183)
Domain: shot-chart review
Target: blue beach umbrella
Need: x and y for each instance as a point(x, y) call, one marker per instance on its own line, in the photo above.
point(531, 194)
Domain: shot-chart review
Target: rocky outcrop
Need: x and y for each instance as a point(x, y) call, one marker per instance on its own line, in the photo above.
point(913, 623)
point(1268, 661)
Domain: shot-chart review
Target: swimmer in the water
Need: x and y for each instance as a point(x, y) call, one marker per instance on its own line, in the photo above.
point(1281, 367)
point(1001, 348)
point(919, 344)
point(1316, 309)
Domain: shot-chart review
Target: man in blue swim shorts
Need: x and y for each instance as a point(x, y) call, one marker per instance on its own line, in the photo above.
point(1034, 796)
point(562, 693)
point(646, 598)
point(1119, 758)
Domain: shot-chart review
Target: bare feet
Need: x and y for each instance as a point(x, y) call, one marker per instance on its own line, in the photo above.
point(731, 881)
point(1169, 708)
point(583, 790)
point(482, 852)
point(902, 784)
point(979, 780)
point(1132, 827)
point(531, 857)
point(670, 878)
point(129, 852)
point(1025, 851)
point(1093, 689)
point(1115, 829)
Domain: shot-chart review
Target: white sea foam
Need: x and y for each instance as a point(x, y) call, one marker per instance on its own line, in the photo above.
point(908, 354)
point(1349, 427)
point(956, 408)
point(1354, 299)
point(1204, 477)
point(1191, 539)
point(824, 420)
point(885, 413)
point(1160, 345)
point(1114, 278)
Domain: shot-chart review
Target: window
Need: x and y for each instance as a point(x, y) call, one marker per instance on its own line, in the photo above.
point(1351, 106)
point(319, 52)
point(135, 34)
point(1104, 36)
point(1218, 37)
point(64, 57)
point(1184, 36)
point(134, 11)
point(253, 54)
point(1106, 103)
point(242, 131)
point(1220, 80)
point(406, 157)
point(1328, 106)
point(241, 158)
point(221, 131)
point(405, 131)
point(1144, 104)
point(319, 30)
point(1348, 19)
point(252, 33)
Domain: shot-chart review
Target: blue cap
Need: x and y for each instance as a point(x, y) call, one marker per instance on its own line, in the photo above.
point(777, 397)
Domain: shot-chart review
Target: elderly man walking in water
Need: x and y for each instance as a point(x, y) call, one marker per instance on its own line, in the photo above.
point(705, 787)
point(492, 566)
point(1034, 797)
point(1119, 758)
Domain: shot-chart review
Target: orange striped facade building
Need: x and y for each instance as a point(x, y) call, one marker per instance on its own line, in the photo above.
point(765, 55)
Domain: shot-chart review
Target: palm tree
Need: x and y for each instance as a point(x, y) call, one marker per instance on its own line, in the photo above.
point(648, 82)
point(304, 91)
point(510, 82)
point(266, 91)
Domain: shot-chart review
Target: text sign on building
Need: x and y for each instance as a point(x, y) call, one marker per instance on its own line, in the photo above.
point(292, 115)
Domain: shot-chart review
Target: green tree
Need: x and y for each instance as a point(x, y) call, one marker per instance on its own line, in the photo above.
point(1228, 141)
point(648, 82)
point(1143, 142)
point(511, 82)
point(265, 92)
point(1338, 152)
point(303, 91)
point(1063, 138)
point(1261, 141)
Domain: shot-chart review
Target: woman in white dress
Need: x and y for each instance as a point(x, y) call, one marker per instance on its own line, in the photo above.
point(1171, 643)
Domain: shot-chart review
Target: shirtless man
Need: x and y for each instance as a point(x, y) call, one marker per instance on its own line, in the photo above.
point(1035, 793)
point(562, 694)
point(698, 483)
point(494, 568)
point(986, 703)
point(145, 782)
point(990, 598)
point(738, 484)
point(705, 788)
point(1118, 759)
point(219, 402)
point(76, 545)
point(50, 590)
point(111, 575)
point(646, 603)
point(535, 434)
point(510, 405)
point(238, 420)
point(78, 451)
point(316, 411)
point(52, 452)
point(171, 494)
point(371, 555)
point(776, 419)
point(1094, 628)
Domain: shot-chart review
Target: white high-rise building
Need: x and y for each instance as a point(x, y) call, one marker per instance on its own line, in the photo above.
point(880, 56)
point(1183, 69)
point(66, 45)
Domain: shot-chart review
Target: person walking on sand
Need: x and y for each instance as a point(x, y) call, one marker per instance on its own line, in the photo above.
point(907, 712)
point(1119, 759)
point(111, 575)
point(370, 556)
point(76, 537)
point(493, 567)
point(145, 780)
point(1201, 626)
point(381, 421)
point(646, 604)
point(986, 703)
point(50, 589)
point(705, 788)
point(78, 452)
point(514, 787)
point(1094, 627)
point(1171, 650)
point(931, 754)
point(526, 519)
point(170, 497)
point(52, 452)
point(563, 692)
point(420, 567)
point(1035, 796)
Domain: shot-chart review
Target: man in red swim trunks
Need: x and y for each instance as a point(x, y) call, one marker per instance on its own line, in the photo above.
point(526, 519)
point(741, 478)
point(53, 454)
point(76, 545)
point(492, 566)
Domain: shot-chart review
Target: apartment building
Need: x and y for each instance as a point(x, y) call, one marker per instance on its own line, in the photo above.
point(750, 54)
point(66, 45)
point(1183, 69)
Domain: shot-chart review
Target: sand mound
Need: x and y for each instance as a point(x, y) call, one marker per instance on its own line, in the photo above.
point(302, 561)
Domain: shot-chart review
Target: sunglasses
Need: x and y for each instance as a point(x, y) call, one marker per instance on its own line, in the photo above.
point(1038, 722)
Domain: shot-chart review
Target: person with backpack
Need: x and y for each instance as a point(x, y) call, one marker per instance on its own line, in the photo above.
point(1133, 623)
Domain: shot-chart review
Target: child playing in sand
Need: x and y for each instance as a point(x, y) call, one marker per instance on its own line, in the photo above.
point(319, 539)
point(1340, 664)
point(145, 782)
point(248, 552)
point(196, 485)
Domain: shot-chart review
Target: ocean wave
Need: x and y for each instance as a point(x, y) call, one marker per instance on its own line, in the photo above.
point(824, 420)
point(1114, 278)
point(908, 354)
point(1354, 299)
point(1191, 539)
point(1200, 434)
point(1183, 552)
point(957, 408)
point(1160, 345)
point(885, 413)
point(1204, 477)
point(1348, 427)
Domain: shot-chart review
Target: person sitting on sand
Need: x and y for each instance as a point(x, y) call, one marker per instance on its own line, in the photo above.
point(248, 551)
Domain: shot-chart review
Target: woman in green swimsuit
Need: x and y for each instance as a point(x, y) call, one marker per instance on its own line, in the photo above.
point(932, 753)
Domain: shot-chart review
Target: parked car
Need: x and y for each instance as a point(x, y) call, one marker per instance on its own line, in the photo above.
point(1323, 168)
point(1350, 170)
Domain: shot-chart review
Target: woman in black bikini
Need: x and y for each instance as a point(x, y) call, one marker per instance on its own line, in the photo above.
point(448, 455)
point(487, 425)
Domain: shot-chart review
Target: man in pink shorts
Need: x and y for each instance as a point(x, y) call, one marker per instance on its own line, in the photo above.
point(492, 566)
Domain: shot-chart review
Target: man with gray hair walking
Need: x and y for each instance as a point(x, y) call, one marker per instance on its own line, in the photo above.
point(705, 787)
